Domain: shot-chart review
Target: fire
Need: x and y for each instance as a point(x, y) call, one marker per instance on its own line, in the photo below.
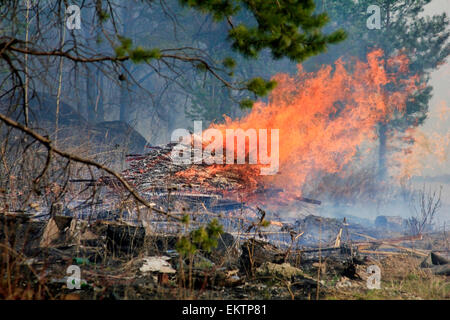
point(324, 118)
point(427, 149)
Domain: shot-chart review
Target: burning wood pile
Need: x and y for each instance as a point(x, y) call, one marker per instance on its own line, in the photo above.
point(219, 187)
point(154, 173)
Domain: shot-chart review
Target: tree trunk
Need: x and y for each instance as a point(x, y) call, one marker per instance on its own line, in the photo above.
point(100, 114)
point(124, 90)
point(124, 110)
point(382, 134)
point(90, 95)
point(383, 126)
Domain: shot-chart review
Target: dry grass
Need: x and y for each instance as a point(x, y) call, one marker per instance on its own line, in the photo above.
point(401, 279)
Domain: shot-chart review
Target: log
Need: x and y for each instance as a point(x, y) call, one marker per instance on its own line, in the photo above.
point(256, 252)
point(308, 200)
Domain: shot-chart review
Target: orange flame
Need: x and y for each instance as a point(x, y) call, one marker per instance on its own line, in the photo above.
point(325, 117)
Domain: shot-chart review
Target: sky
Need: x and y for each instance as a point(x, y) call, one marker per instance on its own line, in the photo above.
point(439, 116)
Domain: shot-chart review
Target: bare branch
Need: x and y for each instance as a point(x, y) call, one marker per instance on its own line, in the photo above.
point(48, 143)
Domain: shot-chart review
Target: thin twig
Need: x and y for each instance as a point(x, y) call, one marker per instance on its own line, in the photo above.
point(48, 144)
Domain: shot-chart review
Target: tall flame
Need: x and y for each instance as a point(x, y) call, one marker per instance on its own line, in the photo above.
point(325, 117)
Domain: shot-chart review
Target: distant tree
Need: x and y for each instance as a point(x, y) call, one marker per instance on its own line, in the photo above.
point(254, 29)
point(424, 205)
